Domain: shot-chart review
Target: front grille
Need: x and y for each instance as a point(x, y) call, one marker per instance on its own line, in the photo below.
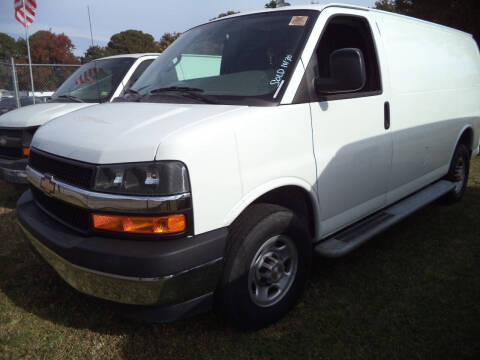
point(68, 171)
point(14, 133)
point(72, 216)
point(11, 153)
point(8, 152)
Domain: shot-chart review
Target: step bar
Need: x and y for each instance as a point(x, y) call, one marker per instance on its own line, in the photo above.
point(351, 238)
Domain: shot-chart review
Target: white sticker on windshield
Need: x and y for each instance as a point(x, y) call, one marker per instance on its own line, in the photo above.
point(280, 73)
point(298, 21)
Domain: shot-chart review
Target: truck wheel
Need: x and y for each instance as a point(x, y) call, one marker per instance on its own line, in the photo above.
point(458, 173)
point(267, 264)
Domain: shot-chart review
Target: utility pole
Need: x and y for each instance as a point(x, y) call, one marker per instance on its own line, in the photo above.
point(90, 22)
point(15, 83)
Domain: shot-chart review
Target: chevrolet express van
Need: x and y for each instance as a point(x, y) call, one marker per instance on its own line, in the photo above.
point(98, 81)
point(214, 185)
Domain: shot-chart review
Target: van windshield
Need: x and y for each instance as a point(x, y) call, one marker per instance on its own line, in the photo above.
point(94, 82)
point(242, 60)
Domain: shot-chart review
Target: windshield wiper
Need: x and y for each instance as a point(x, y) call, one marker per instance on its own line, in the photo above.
point(176, 88)
point(186, 91)
point(71, 97)
point(131, 91)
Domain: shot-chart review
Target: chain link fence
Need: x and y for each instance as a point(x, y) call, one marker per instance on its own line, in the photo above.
point(15, 89)
point(6, 78)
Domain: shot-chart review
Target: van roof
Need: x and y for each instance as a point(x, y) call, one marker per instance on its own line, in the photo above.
point(320, 7)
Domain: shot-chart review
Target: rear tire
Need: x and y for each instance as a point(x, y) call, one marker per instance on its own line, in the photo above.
point(458, 173)
point(267, 264)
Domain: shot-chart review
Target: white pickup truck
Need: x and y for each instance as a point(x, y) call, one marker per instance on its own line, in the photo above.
point(311, 130)
point(99, 81)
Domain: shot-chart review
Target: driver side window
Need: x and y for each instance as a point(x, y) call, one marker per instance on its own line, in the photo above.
point(349, 32)
point(341, 32)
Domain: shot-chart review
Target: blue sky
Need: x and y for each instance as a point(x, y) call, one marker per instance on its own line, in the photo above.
point(111, 16)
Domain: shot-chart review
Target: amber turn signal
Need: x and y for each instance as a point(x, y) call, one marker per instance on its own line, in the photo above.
point(26, 151)
point(140, 225)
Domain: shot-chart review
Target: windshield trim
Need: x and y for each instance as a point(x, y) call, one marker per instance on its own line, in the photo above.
point(278, 97)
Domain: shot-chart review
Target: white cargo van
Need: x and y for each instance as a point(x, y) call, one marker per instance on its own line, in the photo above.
point(98, 81)
point(320, 127)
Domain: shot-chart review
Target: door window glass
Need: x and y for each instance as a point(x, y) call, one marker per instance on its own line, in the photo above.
point(349, 32)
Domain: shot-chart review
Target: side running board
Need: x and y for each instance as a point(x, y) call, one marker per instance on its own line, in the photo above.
point(349, 239)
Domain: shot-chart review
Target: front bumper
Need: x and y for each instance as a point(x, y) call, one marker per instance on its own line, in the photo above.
point(137, 272)
point(13, 171)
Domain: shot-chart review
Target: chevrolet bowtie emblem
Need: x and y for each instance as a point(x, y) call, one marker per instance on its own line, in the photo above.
point(3, 141)
point(47, 184)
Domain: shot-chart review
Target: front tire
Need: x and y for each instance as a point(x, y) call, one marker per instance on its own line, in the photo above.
point(267, 265)
point(458, 174)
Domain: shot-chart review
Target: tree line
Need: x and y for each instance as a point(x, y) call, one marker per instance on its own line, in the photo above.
point(459, 14)
point(47, 47)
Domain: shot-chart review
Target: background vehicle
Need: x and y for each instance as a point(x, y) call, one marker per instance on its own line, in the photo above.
point(10, 103)
point(98, 81)
point(321, 127)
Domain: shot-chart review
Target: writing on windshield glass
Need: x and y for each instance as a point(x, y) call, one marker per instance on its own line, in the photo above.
point(280, 73)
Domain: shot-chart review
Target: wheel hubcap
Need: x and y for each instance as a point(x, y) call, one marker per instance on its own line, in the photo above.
point(460, 174)
point(272, 271)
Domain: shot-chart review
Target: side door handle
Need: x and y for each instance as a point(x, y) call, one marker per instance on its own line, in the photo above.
point(386, 115)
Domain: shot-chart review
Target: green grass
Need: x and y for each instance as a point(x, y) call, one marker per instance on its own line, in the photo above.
point(411, 293)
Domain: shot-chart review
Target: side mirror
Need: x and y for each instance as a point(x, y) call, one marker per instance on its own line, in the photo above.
point(347, 73)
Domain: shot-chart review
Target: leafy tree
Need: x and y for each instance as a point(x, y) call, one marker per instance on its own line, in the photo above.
point(8, 46)
point(49, 48)
point(272, 4)
point(131, 41)
point(22, 47)
point(45, 48)
point(166, 40)
point(461, 15)
point(387, 5)
point(95, 52)
point(228, 13)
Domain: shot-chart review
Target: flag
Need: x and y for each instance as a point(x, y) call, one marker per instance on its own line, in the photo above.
point(25, 18)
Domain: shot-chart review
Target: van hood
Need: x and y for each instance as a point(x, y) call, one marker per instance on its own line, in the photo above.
point(121, 132)
point(39, 114)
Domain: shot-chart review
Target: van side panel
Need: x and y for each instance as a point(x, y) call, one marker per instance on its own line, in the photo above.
point(435, 82)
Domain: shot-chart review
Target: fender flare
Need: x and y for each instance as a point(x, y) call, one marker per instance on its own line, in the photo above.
point(462, 131)
point(260, 190)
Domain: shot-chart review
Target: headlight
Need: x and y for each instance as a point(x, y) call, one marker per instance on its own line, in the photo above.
point(151, 179)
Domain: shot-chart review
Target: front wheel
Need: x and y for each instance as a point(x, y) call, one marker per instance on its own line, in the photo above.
point(458, 173)
point(267, 265)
